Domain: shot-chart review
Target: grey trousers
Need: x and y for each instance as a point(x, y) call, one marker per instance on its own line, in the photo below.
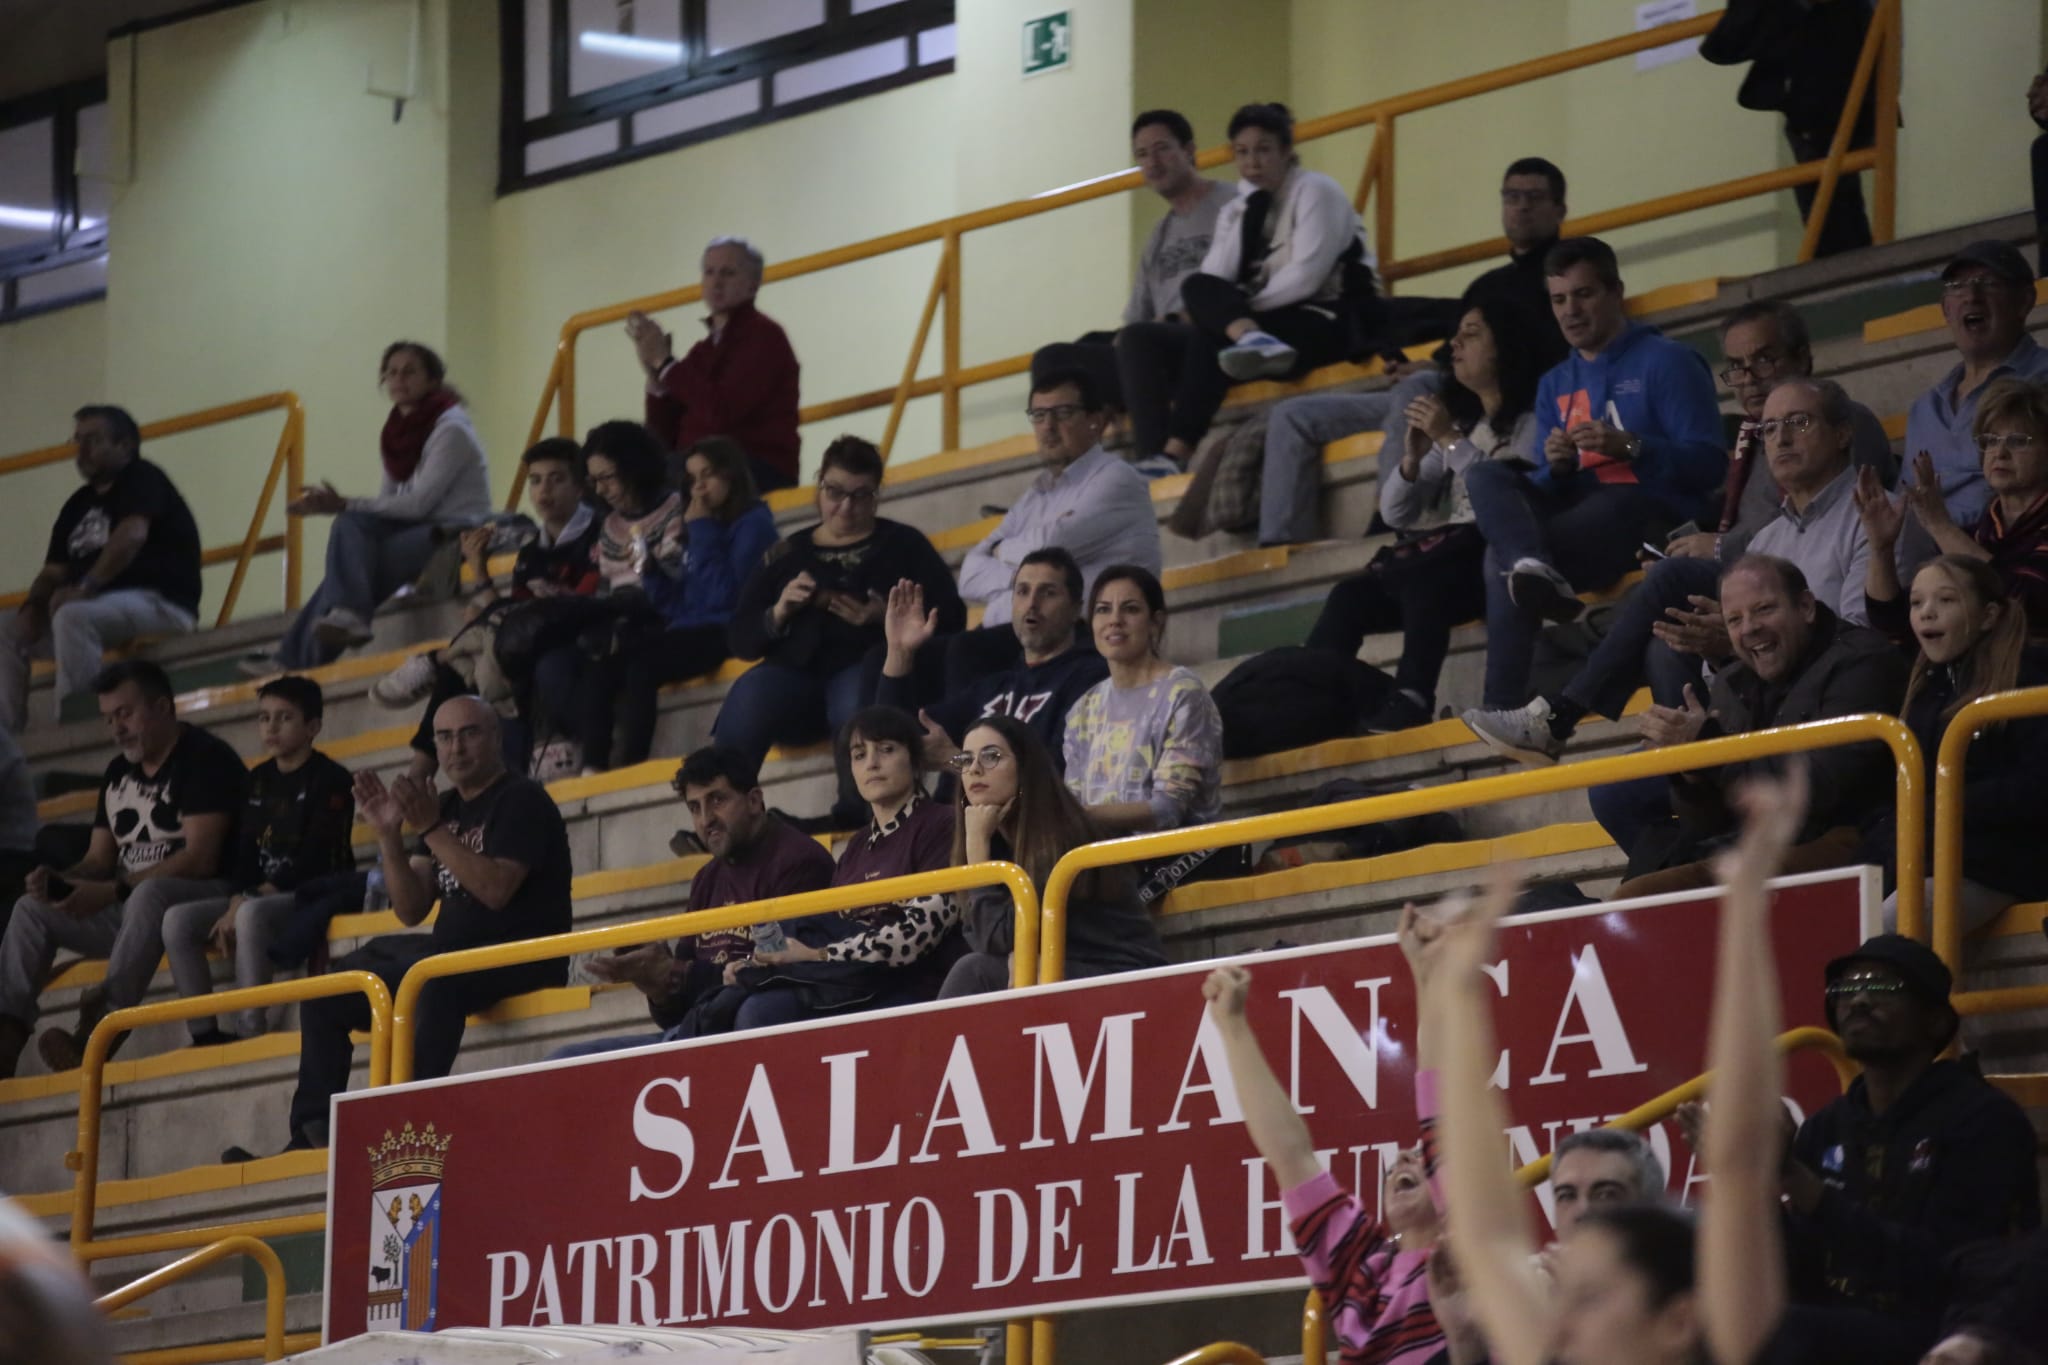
point(187, 928)
point(368, 559)
point(1291, 479)
point(80, 634)
point(129, 935)
point(977, 974)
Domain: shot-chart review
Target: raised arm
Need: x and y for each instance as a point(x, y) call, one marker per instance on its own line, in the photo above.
point(1487, 1211)
point(1269, 1117)
point(1741, 1239)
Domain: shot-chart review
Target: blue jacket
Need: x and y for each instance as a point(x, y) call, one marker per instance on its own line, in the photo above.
point(1662, 392)
point(717, 561)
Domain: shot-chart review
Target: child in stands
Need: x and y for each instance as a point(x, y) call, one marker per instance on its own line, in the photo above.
point(1973, 642)
point(296, 825)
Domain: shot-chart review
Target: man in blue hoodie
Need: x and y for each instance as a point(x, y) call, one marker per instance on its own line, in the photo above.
point(1631, 439)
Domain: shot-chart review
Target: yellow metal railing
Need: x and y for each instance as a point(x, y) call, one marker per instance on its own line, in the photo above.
point(405, 1009)
point(85, 1159)
point(287, 463)
point(272, 1344)
point(1220, 1353)
point(944, 301)
point(1480, 791)
point(1948, 845)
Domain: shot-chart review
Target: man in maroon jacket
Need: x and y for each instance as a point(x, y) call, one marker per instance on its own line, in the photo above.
point(740, 381)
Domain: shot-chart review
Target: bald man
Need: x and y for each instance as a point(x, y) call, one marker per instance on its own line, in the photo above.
point(495, 853)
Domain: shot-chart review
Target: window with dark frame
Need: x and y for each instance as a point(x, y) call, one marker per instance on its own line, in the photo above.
point(53, 199)
point(594, 83)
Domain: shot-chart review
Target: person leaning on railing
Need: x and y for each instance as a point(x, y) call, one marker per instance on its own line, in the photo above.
point(1011, 806)
point(740, 381)
point(495, 852)
point(123, 562)
point(435, 481)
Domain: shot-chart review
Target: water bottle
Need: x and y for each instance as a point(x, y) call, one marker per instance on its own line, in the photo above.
point(768, 937)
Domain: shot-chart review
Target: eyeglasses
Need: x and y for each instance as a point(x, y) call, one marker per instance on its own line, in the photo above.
point(1762, 365)
point(2018, 442)
point(1864, 985)
point(1793, 424)
point(1975, 284)
point(1064, 412)
point(986, 760)
point(836, 493)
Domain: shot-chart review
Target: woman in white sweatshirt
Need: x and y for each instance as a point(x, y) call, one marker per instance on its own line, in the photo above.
point(1268, 301)
point(435, 480)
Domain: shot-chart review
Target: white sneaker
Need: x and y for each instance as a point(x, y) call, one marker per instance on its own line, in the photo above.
point(405, 684)
point(558, 759)
point(1542, 591)
point(261, 664)
point(1257, 355)
point(1522, 733)
point(341, 629)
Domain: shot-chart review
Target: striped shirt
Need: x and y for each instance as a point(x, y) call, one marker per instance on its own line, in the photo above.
point(1375, 1294)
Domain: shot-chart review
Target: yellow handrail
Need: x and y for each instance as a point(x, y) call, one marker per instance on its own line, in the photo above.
point(1479, 791)
point(1220, 1353)
point(85, 1160)
point(273, 1288)
point(940, 882)
point(1313, 1328)
point(1948, 843)
point(1880, 60)
point(288, 462)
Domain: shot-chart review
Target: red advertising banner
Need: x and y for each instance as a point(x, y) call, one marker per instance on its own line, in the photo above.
point(1031, 1151)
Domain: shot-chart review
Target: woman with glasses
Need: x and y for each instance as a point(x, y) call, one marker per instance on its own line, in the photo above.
point(1144, 747)
point(672, 565)
point(2011, 430)
point(435, 481)
point(1012, 806)
point(813, 610)
point(897, 953)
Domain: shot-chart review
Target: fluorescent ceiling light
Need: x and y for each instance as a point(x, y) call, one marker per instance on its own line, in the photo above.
point(625, 45)
point(37, 220)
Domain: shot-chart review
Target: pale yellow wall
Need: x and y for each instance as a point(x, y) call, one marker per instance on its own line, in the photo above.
point(50, 365)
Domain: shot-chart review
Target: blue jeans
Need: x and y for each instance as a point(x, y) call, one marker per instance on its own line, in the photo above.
point(774, 704)
point(1629, 654)
point(1629, 810)
point(593, 1047)
point(1587, 531)
point(368, 558)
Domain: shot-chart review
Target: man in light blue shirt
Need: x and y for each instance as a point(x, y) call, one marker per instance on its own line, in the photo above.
point(1986, 293)
point(1086, 501)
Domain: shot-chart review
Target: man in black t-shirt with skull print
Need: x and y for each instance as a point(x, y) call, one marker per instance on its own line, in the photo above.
point(162, 836)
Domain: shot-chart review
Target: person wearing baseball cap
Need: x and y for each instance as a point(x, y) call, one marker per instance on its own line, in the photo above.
point(1919, 1157)
point(1987, 289)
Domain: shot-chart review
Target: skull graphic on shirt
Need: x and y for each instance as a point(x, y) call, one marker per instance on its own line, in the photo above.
point(145, 820)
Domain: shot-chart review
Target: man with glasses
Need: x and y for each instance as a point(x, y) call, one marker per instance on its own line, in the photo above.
point(1531, 210)
point(1086, 501)
point(494, 853)
point(1986, 293)
point(1920, 1157)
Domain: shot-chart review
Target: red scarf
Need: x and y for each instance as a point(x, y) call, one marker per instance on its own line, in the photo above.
point(405, 433)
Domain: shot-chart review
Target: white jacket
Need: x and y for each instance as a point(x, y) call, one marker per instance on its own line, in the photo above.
point(1437, 497)
point(1309, 226)
point(451, 486)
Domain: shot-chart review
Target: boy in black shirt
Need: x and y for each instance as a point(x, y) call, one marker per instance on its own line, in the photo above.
point(123, 562)
point(496, 853)
point(161, 837)
point(296, 825)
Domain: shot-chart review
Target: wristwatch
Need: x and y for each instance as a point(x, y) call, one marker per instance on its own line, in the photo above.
point(1635, 446)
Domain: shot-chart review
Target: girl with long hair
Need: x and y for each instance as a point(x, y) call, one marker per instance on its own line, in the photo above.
point(1973, 643)
point(1010, 805)
point(1429, 579)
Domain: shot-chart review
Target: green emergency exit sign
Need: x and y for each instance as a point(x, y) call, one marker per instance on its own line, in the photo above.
point(1048, 42)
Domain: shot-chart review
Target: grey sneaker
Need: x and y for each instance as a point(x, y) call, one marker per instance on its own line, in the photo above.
point(1257, 355)
point(1522, 733)
point(405, 684)
point(341, 629)
point(1542, 591)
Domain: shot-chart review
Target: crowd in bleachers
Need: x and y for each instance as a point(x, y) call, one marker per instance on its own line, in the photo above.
point(1551, 448)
